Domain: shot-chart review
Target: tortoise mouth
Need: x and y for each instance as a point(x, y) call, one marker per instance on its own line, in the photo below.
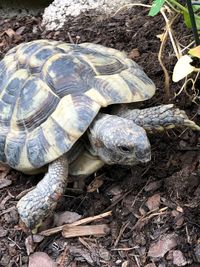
point(144, 156)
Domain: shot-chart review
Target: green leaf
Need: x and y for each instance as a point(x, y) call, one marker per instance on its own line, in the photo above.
point(155, 8)
point(196, 8)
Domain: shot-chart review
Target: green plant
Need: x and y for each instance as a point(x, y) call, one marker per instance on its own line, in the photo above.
point(179, 8)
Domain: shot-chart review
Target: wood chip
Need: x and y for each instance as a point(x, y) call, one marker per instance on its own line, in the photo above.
point(10, 32)
point(162, 246)
point(85, 230)
point(95, 184)
point(5, 183)
point(41, 259)
point(153, 202)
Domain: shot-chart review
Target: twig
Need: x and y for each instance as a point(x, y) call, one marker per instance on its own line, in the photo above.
point(168, 27)
point(163, 43)
point(124, 249)
point(79, 222)
point(123, 228)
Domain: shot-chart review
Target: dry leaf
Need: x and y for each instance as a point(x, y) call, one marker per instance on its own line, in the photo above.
point(182, 68)
point(41, 259)
point(195, 52)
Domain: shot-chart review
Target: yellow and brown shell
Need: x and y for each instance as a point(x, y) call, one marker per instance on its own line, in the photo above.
point(51, 91)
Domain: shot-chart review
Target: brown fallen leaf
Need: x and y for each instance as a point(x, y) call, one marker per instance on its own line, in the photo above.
point(41, 259)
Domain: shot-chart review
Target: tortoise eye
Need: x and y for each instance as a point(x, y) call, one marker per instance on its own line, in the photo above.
point(125, 149)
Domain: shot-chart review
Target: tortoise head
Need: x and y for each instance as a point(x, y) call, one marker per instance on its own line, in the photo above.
point(119, 141)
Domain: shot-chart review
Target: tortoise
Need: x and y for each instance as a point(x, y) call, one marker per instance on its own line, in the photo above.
point(53, 100)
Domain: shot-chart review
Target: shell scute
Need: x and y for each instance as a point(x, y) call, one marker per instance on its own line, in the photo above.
point(37, 147)
point(13, 148)
point(37, 60)
point(36, 103)
point(67, 75)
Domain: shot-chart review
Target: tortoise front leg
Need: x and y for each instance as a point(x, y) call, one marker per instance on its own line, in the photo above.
point(36, 205)
point(159, 118)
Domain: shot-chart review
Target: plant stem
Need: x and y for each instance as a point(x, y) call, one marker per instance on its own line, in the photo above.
point(172, 6)
point(193, 22)
point(182, 8)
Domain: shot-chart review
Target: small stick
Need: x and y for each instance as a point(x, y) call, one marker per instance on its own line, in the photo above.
point(79, 222)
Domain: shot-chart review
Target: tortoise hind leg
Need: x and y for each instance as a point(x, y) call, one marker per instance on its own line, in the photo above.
point(159, 118)
point(36, 205)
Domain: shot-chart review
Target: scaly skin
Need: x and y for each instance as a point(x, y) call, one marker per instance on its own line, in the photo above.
point(36, 205)
point(159, 118)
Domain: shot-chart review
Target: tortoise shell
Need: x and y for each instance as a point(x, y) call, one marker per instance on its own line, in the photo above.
point(51, 91)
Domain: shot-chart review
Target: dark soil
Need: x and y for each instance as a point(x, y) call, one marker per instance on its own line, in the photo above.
point(156, 207)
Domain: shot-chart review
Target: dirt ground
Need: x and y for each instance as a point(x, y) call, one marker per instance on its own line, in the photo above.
point(155, 219)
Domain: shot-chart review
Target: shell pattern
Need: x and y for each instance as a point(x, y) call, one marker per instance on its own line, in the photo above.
point(51, 91)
